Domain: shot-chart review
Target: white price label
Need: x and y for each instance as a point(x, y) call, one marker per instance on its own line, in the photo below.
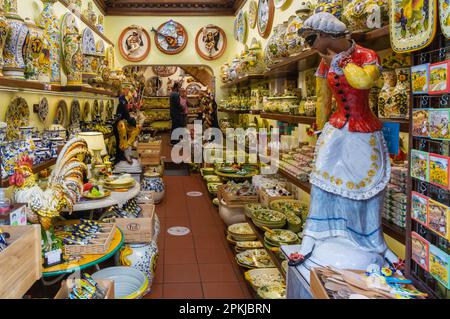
point(53, 256)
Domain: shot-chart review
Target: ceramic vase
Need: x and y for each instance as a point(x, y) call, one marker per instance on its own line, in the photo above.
point(402, 94)
point(91, 66)
point(4, 29)
point(37, 54)
point(385, 100)
point(48, 20)
point(143, 257)
point(14, 63)
point(155, 185)
point(71, 50)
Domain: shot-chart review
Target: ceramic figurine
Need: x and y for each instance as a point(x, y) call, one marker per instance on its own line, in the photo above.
point(37, 54)
point(4, 30)
point(48, 20)
point(155, 184)
point(89, 14)
point(366, 14)
point(71, 50)
point(402, 94)
point(385, 98)
point(14, 64)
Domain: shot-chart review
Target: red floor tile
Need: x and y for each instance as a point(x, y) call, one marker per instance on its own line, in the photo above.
point(159, 275)
point(208, 242)
point(179, 256)
point(156, 292)
point(179, 242)
point(177, 221)
point(181, 273)
point(217, 273)
point(222, 290)
point(212, 256)
point(183, 291)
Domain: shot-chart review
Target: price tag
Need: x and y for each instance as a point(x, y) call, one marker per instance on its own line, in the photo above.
point(53, 257)
point(47, 87)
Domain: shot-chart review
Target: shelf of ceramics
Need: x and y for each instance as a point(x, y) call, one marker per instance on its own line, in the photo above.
point(260, 234)
point(305, 186)
point(394, 231)
point(287, 118)
point(116, 198)
point(256, 112)
point(243, 81)
point(88, 24)
point(404, 124)
point(85, 89)
point(36, 169)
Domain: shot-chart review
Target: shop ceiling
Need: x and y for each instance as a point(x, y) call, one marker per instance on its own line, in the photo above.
point(169, 7)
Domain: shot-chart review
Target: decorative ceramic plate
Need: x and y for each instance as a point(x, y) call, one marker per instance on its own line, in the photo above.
point(95, 109)
point(213, 187)
point(276, 291)
point(88, 43)
point(193, 88)
point(211, 42)
point(249, 244)
point(444, 17)
point(75, 112)
point(266, 11)
point(42, 110)
point(269, 216)
point(105, 194)
point(240, 229)
point(62, 114)
point(102, 109)
point(413, 24)
point(134, 43)
point(290, 205)
point(100, 47)
point(255, 258)
point(86, 111)
point(164, 71)
point(241, 27)
point(17, 115)
point(252, 14)
point(263, 277)
point(171, 37)
point(110, 110)
point(280, 236)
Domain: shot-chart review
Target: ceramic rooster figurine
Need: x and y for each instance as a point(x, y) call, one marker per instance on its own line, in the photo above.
point(65, 184)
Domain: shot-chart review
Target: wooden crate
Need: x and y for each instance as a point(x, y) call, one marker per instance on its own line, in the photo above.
point(138, 230)
point(66, 286)
point(236, 200)
point(100, 245)
point(20, 262)
point(264, 198)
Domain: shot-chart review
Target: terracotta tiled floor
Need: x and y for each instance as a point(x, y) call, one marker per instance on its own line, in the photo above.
point(201, 264)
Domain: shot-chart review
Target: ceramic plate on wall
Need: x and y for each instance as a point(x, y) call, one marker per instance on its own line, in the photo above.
point(17, 115)
point(164, 71)
point(444, 17)
point(75, 112)
point(110, 110)
point(134, 43)
point(86, 111)
point(42, 110)
point(61, 115)
point(193, 88)
point(252, 14)
point(171, 37)
point(266, 11)
point(88, 44)
point(241, 27)
point(211, 42)
point(102, 109)
point(95, 110)
point(413, 24)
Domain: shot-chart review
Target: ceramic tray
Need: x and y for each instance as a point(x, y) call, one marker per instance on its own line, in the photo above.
point(61, 115)
point(255, 258)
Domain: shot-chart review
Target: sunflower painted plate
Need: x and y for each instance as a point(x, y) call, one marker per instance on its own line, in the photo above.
point(75, 112)
point(263, 277)
point(42, 110)
point(17, 115)
point(95, 109)
point(62, 114)
point(255, 258)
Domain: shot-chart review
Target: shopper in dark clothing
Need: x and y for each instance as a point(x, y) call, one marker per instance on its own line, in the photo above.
point(176, 111)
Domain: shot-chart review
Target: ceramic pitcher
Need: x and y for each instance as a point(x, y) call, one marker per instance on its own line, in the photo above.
point(48, 20)
point(71, 50)
point(37, 54)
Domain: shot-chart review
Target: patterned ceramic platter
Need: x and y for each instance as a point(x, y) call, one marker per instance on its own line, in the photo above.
point(101, 109)
point(95, 110)
point(62, 114)
point(171, 37)
point(279, 3)
point(255, 258)
point(100, 47)
point(134, 43)
point(17, 115)
point(252, 14)
point(164, 71)
point(88, 45)
point(211, 42)
point(42, 110)
point(193, 88)
point(413, 24)
point(86, 111)
point(444, 17)
point(75, 112)
point(266, 11)
point(241, 27)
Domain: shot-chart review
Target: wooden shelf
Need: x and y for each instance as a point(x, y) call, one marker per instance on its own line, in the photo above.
point(394, 231)
point(243, 81)
point(294, 119)
point(85, 89)
point(260, 234)
point(240, 111)
point(36, 169)
point(305, 186)
point(404, 124)
point(88, 23)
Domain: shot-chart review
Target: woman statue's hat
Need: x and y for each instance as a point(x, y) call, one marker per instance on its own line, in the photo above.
point(324, 22)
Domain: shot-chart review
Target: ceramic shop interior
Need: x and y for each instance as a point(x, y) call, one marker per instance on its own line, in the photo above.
point(350, 183)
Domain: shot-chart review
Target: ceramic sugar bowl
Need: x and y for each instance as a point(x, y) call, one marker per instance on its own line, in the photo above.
point(153, 182)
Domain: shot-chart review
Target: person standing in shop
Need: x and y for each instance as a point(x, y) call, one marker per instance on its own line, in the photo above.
point(176, 111)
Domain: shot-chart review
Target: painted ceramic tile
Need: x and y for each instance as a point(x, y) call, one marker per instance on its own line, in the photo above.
point(419, 78)
point(419, 208)
point(440, 266)
point(420, 250)
point(413, 24)
point(439, 80)
point(438, 170)
point(439, 120)
point(421, 125)
point(419, 165)
point(438, 218)
point(444, 17)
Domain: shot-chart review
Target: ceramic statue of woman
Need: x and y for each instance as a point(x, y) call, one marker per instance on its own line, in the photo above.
point(352, 166)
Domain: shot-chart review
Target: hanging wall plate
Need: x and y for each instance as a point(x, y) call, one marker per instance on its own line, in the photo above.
point(88, 44)
point(86, 111)
point(444, 17)
point(266, 11)
point(95, 110)
point(134, 43)
point(413, 24)
point(17, 115)
point(171, 37)
point(252, 14)
point(75, 112)
point(42, 109)
point(211, 42)
point(241, 27)
point(61, 115)
point(164, 71)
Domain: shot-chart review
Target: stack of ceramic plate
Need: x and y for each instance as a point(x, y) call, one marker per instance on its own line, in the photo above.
point(269, 219)
point(251, 208)
point(254, 258)
point(212, 178)
point(246, 245)
point(207, 171)
point(294, 222)
point(290, 205)
point(241, 232)
point(277, 237)
point(263, 277)
point(274, 291)
point(120, 183)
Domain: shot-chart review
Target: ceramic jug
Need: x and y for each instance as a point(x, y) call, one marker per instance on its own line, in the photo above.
point(385, 100)
point(37, 55)
point(4, 29)
point(14, 63)
point(155, 184)
point(402, 94)
point(48, 20)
